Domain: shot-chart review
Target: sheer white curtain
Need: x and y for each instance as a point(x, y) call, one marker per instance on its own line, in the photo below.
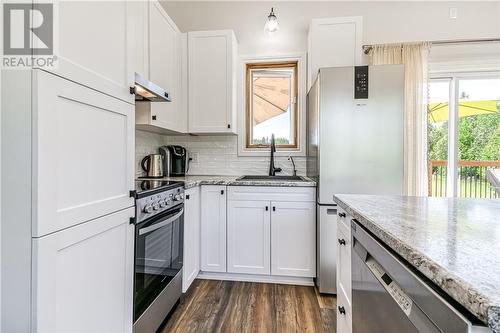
point(414, 56)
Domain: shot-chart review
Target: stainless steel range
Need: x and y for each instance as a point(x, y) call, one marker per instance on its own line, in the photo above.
point(158, 251)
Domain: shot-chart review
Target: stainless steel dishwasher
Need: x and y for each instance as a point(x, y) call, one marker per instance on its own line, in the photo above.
point(389, 297)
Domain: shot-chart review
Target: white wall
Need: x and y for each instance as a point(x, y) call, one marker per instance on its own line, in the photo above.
point(214, 155)
point(146, 143)
point(218, 155)
point(383, 22)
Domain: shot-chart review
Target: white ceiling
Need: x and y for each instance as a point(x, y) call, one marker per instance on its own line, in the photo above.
point(383, 21)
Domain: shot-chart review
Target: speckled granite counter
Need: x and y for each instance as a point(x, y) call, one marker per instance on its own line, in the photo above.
point(192, 181)
point(453, 242)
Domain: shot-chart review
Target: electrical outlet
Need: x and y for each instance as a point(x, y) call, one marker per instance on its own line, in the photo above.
point(453, 13)
point(194, 157)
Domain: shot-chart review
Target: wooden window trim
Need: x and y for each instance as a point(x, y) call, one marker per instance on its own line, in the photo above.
point(248, 120)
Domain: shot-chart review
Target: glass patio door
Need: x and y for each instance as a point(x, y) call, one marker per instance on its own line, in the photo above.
point(464, 136)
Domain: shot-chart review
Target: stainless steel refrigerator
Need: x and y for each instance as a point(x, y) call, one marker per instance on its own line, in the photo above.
point(354, 145)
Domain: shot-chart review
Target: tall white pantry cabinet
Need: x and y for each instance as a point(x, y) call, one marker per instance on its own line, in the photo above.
point(67, 169)
point(67, 154)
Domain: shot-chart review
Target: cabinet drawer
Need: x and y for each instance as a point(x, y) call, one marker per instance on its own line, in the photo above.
point(344, 220)
point(344, 315)
point(270, 193)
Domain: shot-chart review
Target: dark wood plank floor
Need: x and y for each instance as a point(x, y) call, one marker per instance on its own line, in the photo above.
point(225, 306)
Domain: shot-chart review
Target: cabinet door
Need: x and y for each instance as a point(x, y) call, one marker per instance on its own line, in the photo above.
point(191, 237)
point(344, 260)
point(212, 81)
point(99, 63)
point(83, 277)
point(344, 321)
point(137, 32)
point(83, 142)
point(165, 67)
point(293, 239)
point(248, 237)
point(213, 228)
point(334, 42)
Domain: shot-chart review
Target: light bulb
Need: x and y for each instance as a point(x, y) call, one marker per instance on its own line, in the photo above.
point(272, 23)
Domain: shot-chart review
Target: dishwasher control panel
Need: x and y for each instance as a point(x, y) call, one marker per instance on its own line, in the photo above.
point(399, 296)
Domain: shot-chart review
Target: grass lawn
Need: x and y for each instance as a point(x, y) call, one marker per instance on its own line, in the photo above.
point(471, 187)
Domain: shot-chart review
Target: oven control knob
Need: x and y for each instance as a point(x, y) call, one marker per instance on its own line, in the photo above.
point(163, 203)
point(169, 202)
point(148, 209)
point(178, 197)
point(156, 205)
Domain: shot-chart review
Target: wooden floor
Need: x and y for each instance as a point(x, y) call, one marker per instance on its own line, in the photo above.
point(225, 306)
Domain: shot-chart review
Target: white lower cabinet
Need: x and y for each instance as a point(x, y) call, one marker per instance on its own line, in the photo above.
point(271, 231)
point(293, 239)
point(248, 237)
point(213, 228)
point(191, 237)
point(344, 305)
point(83, 277)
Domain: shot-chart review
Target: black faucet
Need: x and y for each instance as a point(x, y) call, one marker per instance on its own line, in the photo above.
point(272, 168)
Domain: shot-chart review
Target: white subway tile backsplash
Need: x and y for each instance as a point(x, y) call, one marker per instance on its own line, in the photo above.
point(217, 155)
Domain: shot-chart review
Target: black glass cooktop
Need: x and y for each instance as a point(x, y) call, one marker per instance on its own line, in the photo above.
point(144, 187)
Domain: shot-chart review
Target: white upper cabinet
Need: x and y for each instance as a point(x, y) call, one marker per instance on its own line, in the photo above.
point(83, 145)
point(165, 69)
point(334, 42)
point(248, 237)
point(160, 63)
point(100, 63)
point(212, 81)
point(191, 237)
point(137, 32)
point(213, 228)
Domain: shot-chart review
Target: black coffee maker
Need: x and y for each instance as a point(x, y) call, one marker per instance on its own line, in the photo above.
point(179, 161)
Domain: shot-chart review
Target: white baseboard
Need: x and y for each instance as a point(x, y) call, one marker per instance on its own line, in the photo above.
point(300, 281)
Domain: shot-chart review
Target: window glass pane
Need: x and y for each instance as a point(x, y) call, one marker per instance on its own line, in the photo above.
point(272, 108)
point(479, 138)
point(439, 92)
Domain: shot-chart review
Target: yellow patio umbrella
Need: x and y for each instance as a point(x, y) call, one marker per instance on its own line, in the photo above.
point(271, 97)
point(438, 112)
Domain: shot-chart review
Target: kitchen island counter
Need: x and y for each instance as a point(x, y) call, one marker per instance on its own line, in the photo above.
point(452, 241)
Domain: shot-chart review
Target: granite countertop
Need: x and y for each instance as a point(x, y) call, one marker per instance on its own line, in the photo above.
point(193, 181)
point(454, 242)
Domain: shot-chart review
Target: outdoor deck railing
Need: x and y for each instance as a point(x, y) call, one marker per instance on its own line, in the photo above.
point(472, 178)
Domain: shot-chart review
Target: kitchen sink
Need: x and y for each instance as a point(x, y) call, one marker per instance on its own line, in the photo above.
point(276, 178)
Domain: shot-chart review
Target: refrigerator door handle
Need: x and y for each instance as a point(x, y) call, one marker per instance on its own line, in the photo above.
point(331, 211)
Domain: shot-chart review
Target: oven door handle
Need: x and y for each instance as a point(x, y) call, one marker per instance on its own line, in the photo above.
point(161, 224)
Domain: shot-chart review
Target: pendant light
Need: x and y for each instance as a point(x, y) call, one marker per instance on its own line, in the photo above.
point(272, 23)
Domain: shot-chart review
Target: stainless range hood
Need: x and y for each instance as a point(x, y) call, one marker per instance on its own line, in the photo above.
point(147, 91)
